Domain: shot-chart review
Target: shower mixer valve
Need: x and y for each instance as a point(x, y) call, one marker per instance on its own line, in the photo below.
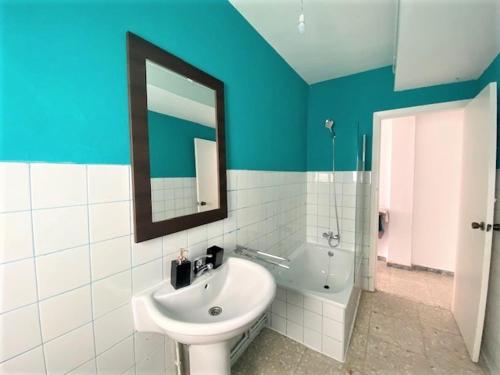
point(330, 236)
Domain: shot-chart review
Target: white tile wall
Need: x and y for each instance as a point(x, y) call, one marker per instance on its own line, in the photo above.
point(316, 323)
point(320, 205)
point(16, 234)
point(353, 200)
point(69, 265)
point(173, 196)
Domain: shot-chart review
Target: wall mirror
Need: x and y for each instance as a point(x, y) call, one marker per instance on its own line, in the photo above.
point(177, 142)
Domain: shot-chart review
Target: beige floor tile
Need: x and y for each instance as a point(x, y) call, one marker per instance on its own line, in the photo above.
point(394, 306)
point(314, 363)
point(404, 332)
point(439, 344)
point(386, 358)
point(270, 353)
point(419, 286)
point(362, 322)
point(441, 297)
point(411, 290)
point(438, 318)
point(392, 336)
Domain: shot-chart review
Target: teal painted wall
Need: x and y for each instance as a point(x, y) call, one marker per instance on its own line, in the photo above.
point(351, 100)
point(64, 86)
point(171, 145)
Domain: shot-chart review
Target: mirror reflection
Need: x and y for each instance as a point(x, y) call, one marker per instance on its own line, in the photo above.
point(182, 144)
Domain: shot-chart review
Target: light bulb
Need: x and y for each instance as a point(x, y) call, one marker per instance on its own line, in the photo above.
point(302, 24)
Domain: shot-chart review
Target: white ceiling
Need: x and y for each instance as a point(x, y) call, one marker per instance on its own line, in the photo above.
point(445, 41)
point(175, 95)
point(438, 40)
point(170, 104)
point(342, 36)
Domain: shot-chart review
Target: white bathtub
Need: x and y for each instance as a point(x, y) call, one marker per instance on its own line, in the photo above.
point(304, 310)
point(309, 269)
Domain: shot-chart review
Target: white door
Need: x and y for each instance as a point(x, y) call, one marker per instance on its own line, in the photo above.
point(207, 178)
point(477, 205)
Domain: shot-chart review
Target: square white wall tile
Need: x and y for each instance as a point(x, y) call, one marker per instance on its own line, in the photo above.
point(16, 236)
point(62, 271)
point(147, 275)
point(294, 331)
point(58, 185)
point(295, 314)
point(333, 329)
point(312, 339)
point(28, 363)
point(117, 359)
point(173, 242)
point(278, 323)
point(60, 228)
point(14, 187)
point(294, 298)
point(108, 183)
point(146, 344)
point(69, 351)
point(197, 235)
point(281, 294)
point(62, 313)
point(19, 331)
point(146, 251)
point(333, 312)
point(109, 257)
point(113, 327)
point(279, 307)
point(88, 368)
point(18, 284)
point(312, 320)
point(154, 364)
point(313, 304)
point(109, 220)
point(333, 348)
point(111, 292)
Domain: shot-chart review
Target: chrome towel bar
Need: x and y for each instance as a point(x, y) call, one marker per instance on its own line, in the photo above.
point(259, 255)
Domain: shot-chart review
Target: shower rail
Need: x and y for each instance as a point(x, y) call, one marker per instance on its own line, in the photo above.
point(260, 255)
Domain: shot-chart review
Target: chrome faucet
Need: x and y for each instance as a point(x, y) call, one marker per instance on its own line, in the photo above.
point(200, 267)
point(329, 236)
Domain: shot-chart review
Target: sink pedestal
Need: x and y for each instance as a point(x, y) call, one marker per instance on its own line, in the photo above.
point(210, 359)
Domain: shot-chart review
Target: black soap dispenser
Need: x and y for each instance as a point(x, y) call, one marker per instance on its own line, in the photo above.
point(180, 271)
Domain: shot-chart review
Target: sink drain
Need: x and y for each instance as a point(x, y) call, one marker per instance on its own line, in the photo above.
point(214, 311)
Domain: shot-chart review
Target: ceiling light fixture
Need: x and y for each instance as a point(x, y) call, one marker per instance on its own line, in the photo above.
point(302, 24)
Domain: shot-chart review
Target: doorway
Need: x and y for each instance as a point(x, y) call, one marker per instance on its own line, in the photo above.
point(418, 204)
point(424, 231)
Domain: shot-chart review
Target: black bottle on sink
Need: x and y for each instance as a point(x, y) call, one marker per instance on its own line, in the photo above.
point(180, 271)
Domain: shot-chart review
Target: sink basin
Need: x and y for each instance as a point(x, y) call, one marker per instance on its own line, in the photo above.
point(207, 314)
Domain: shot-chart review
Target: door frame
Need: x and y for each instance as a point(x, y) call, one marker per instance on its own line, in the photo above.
point(375, 173)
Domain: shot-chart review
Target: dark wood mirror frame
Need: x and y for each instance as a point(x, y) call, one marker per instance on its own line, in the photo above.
point(138, 50)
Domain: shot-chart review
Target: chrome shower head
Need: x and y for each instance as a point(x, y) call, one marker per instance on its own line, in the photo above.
point(329, 124)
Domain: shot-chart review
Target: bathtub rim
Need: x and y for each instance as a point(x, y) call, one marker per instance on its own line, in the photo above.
point(341, 299)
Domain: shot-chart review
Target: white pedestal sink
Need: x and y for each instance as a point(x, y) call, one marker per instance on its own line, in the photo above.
point(207, 314)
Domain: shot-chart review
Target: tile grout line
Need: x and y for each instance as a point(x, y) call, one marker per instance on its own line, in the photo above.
point(131, 238)
point(36, 268)
point(90, 264)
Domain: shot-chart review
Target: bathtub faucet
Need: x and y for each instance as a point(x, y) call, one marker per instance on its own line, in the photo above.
point(330, 237)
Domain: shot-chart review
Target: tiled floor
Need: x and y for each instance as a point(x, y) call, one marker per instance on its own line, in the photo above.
point(392, 335)
point(425, 287)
